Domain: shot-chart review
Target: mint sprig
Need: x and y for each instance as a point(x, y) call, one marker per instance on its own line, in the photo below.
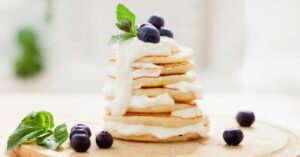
point(55, 139)
point(124, 36)
point(125, 22)
point(38, 127)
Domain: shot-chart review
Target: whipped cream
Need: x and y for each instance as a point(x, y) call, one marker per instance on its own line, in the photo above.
point(145, 73)
point(126, 53)
point(187, 87)
point(143, 101)
point(136, 73)
point(157, 131)
point(108, 91)
point(187, 113)
point(184, 52)
point(145, 65)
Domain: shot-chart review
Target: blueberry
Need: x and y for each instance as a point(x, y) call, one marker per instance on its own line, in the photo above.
point(233, 137)
point(245, 118)
point(104, 140)
point(156, 21)
point(80, 142)
point(78, 131)
point(149, 34)
point(82, 126)
point(165, 32)
point(145, 24)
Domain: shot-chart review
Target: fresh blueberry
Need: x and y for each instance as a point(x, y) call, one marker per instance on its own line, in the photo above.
point(78, 131)
point(157, 21)
point(80, 142)
point(82, 126)
point(233, 137)
point(104, 140)
point(165, 32)
point(145, 24)
point(149, 34)
point(245, 118)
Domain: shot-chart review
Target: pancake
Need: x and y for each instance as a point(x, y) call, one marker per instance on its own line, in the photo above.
point(162, 80)
point(159, 108)
point(157, 92)
point(151, 138)
point(166, 69)
point(165, 120)
point(181, 56)
point(176, 68)
point(176, 94)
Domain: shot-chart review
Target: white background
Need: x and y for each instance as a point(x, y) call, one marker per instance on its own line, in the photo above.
point(240, 45)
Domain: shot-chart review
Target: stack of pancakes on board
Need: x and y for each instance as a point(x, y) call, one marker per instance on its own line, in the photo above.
point(159, 76)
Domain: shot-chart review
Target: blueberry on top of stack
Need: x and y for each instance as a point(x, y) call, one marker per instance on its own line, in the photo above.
point(151, 31)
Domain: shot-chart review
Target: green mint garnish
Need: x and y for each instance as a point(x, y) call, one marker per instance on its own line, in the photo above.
point(55, 139)
point(118, 37)
point(126, 23)
point(38, 127)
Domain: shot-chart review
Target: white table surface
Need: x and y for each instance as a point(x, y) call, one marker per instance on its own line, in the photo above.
point(279, 110)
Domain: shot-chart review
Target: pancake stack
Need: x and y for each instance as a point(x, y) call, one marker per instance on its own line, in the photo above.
point(163, 104)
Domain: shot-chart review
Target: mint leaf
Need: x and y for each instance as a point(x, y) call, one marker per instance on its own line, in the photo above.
point(124, 26)
point(61, 134)
point(126, 19)
point(41, 119)
point(55, 140)
point(126, 23)
point(37, 127)
point(22, 134)
point(121, 37)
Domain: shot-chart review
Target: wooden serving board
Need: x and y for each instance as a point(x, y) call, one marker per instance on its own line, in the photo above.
point(262, 139)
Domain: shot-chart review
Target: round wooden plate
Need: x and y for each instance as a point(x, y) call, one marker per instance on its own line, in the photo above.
point(262, 139)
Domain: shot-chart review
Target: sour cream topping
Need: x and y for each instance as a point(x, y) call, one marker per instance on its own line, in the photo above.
point(188, 113)
point(108, 91)
point(187, 87)
point(184, 52)
point(136, 73)
point(142, 101)
point(126, 53)
point(145, 65)
point(157, 131)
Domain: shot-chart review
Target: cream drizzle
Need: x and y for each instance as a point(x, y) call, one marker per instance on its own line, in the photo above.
point(188, 113)
point(187, 87)
point(136, 73)
point(146, 65)
point(126, 53)
point(143, 101)
point(157, 131)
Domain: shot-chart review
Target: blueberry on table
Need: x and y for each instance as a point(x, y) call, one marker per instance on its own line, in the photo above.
point(245, 118)
point(78, 131)
point(165, 32)
point(80, 142)
point(104, 140)
point(156, 21)
point(82, 126)
point(233, 137)
point(149, 33)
